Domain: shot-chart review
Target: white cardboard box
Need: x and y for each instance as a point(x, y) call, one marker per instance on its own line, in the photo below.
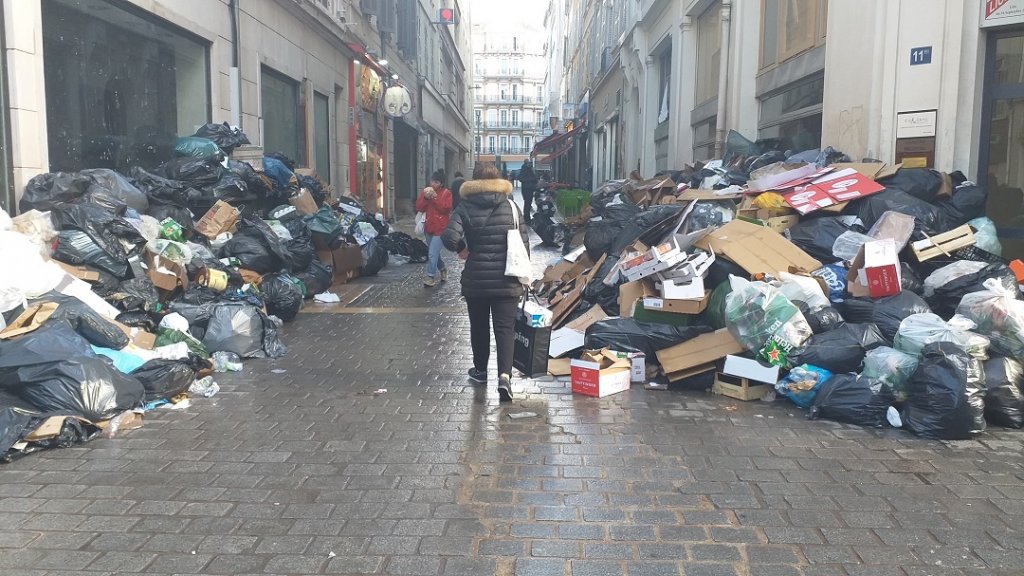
point(750, 369)
point(590, 379)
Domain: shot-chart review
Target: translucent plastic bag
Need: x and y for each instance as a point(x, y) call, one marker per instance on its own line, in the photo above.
point(918, 330)
point(37, 227)
point(986, 236)
point(848, 244)
point(891, 366)
point(943, 276)
point(1004, 394)
point(764, 321)
point(803, 289)
point(802, 384)
point(999, 315)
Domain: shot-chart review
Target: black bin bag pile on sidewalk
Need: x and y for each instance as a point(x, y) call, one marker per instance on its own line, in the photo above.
point(867, 293)
point(124, 292)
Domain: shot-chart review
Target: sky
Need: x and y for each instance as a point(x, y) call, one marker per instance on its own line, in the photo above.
point(508, 13)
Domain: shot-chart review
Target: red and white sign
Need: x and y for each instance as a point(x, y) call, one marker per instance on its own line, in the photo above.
point(807, 199)
point(1001, 12)
point(833, 188)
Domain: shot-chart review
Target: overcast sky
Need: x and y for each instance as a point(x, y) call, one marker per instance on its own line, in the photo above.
point(509, 14)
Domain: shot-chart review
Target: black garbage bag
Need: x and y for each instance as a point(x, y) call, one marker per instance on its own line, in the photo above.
point(946, 394)
point(231, 189)
point(284, 159)
point(243, 329)
point(255, 184)
point(195, 172)
point(167, 378)
point(950, 284)
point(909, 280)
point(53, 369)
point(401, 244)
point(642, 223)
point(158, 189)
point(605, 194)
point(840, 350)
point(927, 217)
point(83, 320)
point(116, 186)
point(886, 312)
point(45, 191)
point(628, 335)
point(375, 258)
point(302, 253)
point(817, 235)
point(968, 202)
point(921, 183)
point(179, 214)
point(315, 187)
point(15, 423)
point(223, 135)
point(853, 399)
point(600, 236)
point(78, 249)
point(597, 293)
point(282, 296)
point(111, 233)
point(137, 319)
point(107, 283)
point(258, 248)
point(318, 278)
point(1004, 394)
point(550, 232)
point(135, 294)
point(821, 320)
point(326, 227)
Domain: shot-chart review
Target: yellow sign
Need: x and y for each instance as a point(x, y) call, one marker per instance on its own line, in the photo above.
point(915, 162)
point(568, 126)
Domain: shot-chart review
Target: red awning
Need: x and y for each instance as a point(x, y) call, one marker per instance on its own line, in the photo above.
point(554, 139)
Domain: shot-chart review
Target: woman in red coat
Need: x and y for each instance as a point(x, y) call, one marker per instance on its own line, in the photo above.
point(436, 202)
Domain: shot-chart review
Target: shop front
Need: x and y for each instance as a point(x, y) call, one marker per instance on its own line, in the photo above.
point(1002, 130)
point(369, 183)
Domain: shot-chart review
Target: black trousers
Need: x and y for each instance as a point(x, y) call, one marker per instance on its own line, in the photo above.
point(527, 203)
point(502, 313)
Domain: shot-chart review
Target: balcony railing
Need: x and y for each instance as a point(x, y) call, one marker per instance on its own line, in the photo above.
point(509, 98)
point(512, 125)
point(505, 150)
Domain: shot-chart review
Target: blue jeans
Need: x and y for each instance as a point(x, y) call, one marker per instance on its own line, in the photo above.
point(434, 261)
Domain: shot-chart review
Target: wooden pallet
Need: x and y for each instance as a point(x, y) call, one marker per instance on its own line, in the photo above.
point(738, 387)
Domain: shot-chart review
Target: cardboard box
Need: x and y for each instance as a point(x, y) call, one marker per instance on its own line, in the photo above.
point(943, 244)
point(221, 218)
point(697, 355)
point(671, 290)
point(756, 249)
point(138, 336)
point(165, 274)
point(750, 369)
point(303, 202)
point(875, 271)
point(637, 367)
point(347, 260)
point(601, 373)
point(690, 306)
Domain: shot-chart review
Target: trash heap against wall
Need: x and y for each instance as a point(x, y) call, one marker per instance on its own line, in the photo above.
point(124, 292)
point(864, 292)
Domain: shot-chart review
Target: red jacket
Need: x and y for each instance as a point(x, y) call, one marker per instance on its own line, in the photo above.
point(438, 211)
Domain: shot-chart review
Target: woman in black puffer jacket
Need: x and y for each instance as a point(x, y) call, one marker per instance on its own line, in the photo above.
point(478, 231)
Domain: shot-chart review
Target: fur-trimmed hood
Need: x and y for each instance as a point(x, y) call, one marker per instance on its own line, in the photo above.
point(495, 186)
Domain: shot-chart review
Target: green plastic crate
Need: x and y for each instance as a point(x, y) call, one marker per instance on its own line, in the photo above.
point(571, 201)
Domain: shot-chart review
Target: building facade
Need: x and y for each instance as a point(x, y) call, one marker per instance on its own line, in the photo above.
point(95, 83)
point(508, 100)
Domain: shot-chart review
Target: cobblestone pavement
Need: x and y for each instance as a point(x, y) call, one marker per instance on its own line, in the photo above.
point(300, 466)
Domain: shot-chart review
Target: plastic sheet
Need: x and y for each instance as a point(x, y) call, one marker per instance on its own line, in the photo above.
point(37, 227)
point(853, 399)
point(887, 312)
point(840, 350)
point(998, 315)
point(892, 367)
point(804, 289)
point(802, 383)
point(27, 274)
point(919, 330)
point(1004, 394)
point(848, 244)
point(628, 335)
point(946, 394)
point(764, 321)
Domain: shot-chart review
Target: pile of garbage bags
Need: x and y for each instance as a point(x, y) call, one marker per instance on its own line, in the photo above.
point(889, 303)
point(123, 288)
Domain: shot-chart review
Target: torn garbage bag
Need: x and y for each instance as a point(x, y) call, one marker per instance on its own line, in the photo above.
point(946, 394)
point(764, 321)
point(1004, 395)
point(892, 367)
point(998, 315)
point(887, 312)
point(840, 350)
point(853, 399)
point(628, 335)
point(244, 330)
point(802, 383)
point(919, 330)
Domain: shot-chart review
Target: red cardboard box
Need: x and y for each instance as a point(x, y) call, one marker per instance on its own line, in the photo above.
point(601, 373)
point(875, 271)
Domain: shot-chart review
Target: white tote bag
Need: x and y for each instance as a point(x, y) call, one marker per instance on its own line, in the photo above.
point(517, 259)
point(421, 223)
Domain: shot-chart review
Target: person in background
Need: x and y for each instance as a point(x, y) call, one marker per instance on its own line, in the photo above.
point(456, 184)
point(529, 180)
point(478, 231)
point(436, 202)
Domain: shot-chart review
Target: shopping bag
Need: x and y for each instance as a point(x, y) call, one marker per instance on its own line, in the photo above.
point(421, 223)
point(517, 259)
point(530, 353)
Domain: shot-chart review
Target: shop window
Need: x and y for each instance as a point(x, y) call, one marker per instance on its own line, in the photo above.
point(322, 135)
point(709, 51)
point(793, 115)
point(120, 85)
point(284, 122)
point(1009, 60)
point(789, 27)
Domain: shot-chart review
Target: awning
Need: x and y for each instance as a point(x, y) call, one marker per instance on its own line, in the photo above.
point(555, 139)
point(557, 154)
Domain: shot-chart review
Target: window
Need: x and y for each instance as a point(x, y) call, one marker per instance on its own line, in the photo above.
point(789, 27)
point(527, 143)
point(119, 85)
point(322, 135)
point(515, 118)
point(540, 93)
point(504, 66)
point(504, 117)
point(477, 113)
point(504, 143)
point(709, 48)
point(490, 144)
point(284, 122)
point(665, 66)
point(492, 116)
point(515, 145)
point(793, 115)
point(704, 139)
point(515, 92)
point(503, 92)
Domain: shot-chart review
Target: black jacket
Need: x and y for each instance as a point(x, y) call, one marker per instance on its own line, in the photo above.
point(481, 223)
point(455, 187)
point(528, 178)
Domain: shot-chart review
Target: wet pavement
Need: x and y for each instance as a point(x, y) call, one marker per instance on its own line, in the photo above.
point(365, 451)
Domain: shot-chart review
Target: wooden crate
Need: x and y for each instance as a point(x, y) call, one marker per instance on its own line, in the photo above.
point(738, 387)
point(943, 244)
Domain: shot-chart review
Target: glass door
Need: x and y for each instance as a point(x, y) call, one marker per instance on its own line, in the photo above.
point(1002, 153)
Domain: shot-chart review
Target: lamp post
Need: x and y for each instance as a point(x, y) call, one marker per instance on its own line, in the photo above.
point(478, 143)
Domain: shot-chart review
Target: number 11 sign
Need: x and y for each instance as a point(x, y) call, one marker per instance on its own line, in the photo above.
point(833, 188)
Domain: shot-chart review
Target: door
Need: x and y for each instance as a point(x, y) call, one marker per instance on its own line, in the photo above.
point(1002, 138)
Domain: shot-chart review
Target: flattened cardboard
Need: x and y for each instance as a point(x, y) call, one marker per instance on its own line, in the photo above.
point(698, 354)
point(697, 194)
point(565, 340)
point(588, 319)
point(138, 336)
point(756, 249)
point(49, 428)
point(869, 169)
point(32, 318)
point(560, 366)
point(80, 272)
